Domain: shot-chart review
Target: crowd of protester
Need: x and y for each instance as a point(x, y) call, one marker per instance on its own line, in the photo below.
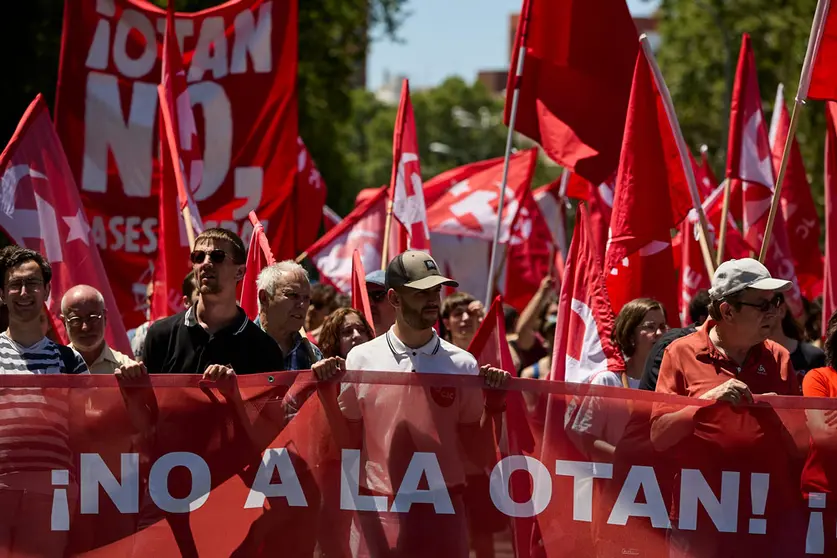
point(742, 340)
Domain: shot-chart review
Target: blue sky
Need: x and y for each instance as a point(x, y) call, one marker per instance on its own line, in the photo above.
point(452, 37)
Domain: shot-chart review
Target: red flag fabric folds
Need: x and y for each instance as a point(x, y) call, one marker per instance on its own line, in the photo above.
point(823, 83)
point(309, 199)
point(40, 209)
point(360, 296)
point(829, 293)
point(259, 256)
point(650, 199)
point(579, 59)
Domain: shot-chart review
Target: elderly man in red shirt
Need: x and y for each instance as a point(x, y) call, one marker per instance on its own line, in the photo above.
point(727, 361)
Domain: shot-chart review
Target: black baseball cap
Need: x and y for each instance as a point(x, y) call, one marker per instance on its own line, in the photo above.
point(416, 270)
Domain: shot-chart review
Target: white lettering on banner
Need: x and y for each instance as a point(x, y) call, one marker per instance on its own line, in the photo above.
point(423, 464)
point(217, 127)
point(158, 482)
point(106, 131)
point(210, 51)
point(253, 38)
point(60, 516)
point(583, 474)
point(640, 477)
point(248, 186)
point(694, 489)
point(182, 28)
point(350, 496)
point(288, 487)
point(134, 67)
point(95, 473)
point(500, 490)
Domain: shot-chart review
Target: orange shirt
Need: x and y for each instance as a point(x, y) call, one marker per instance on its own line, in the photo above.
point(820, 472)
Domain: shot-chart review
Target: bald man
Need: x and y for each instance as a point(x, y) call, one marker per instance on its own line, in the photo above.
point(85, 317)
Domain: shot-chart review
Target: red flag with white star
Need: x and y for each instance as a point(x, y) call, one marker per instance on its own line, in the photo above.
point(40, 208)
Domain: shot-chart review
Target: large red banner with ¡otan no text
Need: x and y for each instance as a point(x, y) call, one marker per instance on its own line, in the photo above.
point(395, 464)
point(241, 63)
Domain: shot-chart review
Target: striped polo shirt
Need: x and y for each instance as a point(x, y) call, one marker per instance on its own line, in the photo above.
point(34, 422)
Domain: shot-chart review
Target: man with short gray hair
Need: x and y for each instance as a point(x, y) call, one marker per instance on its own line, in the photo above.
point(284, 295)
point(85, 318)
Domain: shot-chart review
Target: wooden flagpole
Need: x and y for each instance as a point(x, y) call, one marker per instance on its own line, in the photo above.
point(722, 237)
point(799, 100)
point(705, 245)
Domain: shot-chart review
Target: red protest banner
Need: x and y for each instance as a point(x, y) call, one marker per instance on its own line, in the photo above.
point(240, 60)
point(175, 466)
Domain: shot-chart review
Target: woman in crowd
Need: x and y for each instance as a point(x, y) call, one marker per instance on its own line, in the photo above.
point(787, 332)
point(342, 330)
point(820, 473)
point(597, 430)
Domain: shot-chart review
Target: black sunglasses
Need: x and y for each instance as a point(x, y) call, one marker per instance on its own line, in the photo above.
point(215, 256)
point(765, 305)
point(377, 296)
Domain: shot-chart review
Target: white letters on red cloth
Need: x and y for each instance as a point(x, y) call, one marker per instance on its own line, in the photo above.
point(241, 67)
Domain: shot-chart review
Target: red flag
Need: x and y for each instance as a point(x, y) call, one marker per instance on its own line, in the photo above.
point(361, 230)
point(360, 296)
point(705, 176)
point(241, 66)
point(441, 183)
point(470, 207)
point(693, 273)
point(599, 206)
point(650, 199)
point(40, 209)
point(583, 345)
point(181, 173)
point(749, 160)
point(259, 256)
point(553, 205)
point(579, 59)
point(823, 84)
point(406, 191)
point(309, 199)
point(829, 292)
point(801, 220)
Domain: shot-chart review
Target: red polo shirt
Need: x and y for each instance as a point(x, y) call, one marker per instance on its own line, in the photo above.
point(747, 439)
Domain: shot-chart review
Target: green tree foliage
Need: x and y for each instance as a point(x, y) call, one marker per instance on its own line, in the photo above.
point(456, 124)
point(698, 56)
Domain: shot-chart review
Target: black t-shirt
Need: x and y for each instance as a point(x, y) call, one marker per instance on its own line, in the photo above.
point(648, 382)
point(179, 345)
point(806, 357)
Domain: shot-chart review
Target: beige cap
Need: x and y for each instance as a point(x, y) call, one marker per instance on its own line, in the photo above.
point(734, 276)
point(416, 270)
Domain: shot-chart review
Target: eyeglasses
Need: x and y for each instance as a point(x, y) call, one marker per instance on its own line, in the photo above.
point(215, 256)
point(377, 296)
point(765, 305)
point(30, 284)
point(92, 320)
point(653, 327)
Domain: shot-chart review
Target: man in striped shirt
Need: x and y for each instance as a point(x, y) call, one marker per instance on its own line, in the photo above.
point(34, 422)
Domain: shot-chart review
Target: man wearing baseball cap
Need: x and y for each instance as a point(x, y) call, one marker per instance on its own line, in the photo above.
point(394, 423)
point(726, 361)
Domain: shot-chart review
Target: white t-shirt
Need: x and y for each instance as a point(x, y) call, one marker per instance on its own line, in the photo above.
point(410, 418)
point(604, 418)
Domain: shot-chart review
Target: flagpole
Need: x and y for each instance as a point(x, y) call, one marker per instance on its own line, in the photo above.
point(190, 232)
point(705, 246)
point(521, 56)
point(722, 236)
point(387, 231)
point(799, 100)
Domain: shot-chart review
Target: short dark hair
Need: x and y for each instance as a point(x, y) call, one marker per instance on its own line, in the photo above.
point(239, 252)
point(190, 284)
point(453, 300)
point(629, 318)
point(13, 256)
point(699, 307)
point(830, 345)
point(323, 297)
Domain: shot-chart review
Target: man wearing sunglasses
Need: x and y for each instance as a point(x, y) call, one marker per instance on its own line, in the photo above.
point(383, 313)
point(726, 361)
point(213, 337)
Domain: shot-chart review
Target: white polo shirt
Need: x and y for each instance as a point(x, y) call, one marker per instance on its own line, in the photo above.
point(400, 420)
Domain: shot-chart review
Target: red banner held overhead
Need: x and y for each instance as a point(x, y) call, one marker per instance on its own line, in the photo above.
point(240, 60)
point(179, 467)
